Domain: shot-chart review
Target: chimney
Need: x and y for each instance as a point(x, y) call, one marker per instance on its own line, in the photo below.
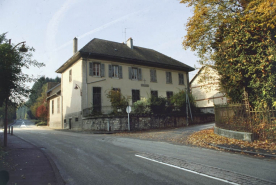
point(130, 43)
point(75, 45)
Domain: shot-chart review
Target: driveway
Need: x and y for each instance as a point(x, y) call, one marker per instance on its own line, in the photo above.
point(175, 135)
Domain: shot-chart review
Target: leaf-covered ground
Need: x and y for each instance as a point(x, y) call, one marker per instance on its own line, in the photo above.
point(207, 138)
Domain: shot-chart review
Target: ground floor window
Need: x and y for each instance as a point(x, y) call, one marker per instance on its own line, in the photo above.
point(135, 95)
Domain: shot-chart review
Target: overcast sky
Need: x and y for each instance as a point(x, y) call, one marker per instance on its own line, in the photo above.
point(50, 26)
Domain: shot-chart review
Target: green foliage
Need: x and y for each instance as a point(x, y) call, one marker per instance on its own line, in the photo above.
point(158, 104)
point(118, 101)
point(12, 79)
point(179, 100)
point(141, 107)
point(237, 38)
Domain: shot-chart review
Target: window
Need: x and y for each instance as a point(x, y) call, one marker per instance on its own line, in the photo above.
point(64, 120)
point(169, 94)
point(115, 71)
point(181, 78)
point(153, 75)
point(135, 95)
point(135, 73)
point(96, 69)
point(70, 75)
point(52, 106)
point(168, 77)
point(76, 119)
point(58, 105)
point(154, 94)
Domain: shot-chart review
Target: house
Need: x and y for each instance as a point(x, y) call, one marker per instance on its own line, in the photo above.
point(103, 65)
point(205, 88)
point(54, 102)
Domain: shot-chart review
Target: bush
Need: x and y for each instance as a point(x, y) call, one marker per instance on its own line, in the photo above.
point(158, 105)
point(141, 107)
point(118, 101)
point(179, 100)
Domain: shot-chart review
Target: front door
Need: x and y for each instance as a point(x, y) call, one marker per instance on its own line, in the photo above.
point(97, 100)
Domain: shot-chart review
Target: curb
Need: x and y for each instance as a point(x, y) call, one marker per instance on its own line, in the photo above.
point(244, 151)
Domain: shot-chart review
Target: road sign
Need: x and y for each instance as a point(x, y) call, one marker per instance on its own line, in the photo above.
point(128, 109)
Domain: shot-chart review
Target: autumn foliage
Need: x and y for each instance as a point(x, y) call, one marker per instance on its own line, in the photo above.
point(237, 38)
point(41, 112)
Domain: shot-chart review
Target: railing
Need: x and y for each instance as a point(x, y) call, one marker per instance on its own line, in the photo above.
point(237, 117)
point(136, 110)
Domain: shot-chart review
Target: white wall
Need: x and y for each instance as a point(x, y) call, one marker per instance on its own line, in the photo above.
point(206, 92)
point(126, 85)
point(55, 119)
point(70, 96)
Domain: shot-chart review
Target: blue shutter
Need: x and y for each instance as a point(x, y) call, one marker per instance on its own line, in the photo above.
point(110, 71)
point(90, 68)
point(130, 72)
point(139, 74)
point(120, 72)
point(102, 70)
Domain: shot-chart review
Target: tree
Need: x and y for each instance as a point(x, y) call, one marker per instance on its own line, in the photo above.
point(40, 102)
point(237, 38)
point(41, 112)
point(12, 79)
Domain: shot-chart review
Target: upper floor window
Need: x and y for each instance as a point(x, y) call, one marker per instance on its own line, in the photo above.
point(115, 71)
point(70, 75)
point(96, 69)
point(135, 73)
point(181, 78)
point(153, 75)
point(168, 77)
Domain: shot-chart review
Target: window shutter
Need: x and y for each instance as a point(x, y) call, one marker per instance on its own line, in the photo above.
point(154, 76)
point(130, 72)
point(110, 71)
point(102, 70)
point(120, 72)
point(139, 74)
point(90, 68)
point(167, 77)
point(151, 75)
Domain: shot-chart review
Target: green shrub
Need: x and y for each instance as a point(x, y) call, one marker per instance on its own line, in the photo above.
point(118, 101)
point(141, 107)
point(158, 104)
point(179, 100)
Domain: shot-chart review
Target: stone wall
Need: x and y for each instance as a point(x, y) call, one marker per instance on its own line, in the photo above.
point(141, 122)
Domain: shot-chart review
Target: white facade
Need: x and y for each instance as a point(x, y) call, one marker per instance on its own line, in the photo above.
point(205, 88)
point(54, 100)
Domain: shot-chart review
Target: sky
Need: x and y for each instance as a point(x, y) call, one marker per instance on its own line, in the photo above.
point(50, 26)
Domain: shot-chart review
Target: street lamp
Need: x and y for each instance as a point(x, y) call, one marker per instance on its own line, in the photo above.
point(21, 49)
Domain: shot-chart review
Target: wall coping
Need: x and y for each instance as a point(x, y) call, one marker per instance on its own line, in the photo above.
point(246, 136)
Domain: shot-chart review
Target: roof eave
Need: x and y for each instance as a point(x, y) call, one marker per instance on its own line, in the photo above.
point(135, 61)
point(69, 62)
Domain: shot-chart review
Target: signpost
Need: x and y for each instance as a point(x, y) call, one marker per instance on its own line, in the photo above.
point(128, 110)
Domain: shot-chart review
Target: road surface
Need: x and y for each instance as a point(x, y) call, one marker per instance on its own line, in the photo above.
point(108, 159)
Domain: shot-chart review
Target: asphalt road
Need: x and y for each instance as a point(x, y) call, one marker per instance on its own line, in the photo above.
point(108, 159)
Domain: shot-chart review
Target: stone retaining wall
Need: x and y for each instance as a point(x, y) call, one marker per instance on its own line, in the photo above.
point(141, 122)
point(246, 136)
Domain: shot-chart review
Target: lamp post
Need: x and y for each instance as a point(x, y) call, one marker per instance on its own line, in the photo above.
point(22, 49)
point(78, 87)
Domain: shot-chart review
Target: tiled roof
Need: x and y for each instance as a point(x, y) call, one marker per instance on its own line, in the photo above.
point(121, 50)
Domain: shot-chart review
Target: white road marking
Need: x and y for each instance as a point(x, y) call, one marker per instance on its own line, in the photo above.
point(23, 124)
point(184, 169)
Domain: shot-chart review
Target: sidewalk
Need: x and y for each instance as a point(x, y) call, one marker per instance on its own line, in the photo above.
point(28, 164)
